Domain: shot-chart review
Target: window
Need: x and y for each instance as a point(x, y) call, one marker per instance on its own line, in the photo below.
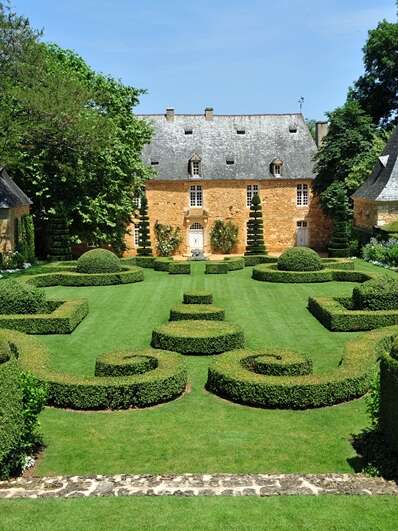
point(154, 162)
point(195, 167)
point(136, 236)
point(240, 131)
point(229, 161)
point(302, 224)
point(293, 129)
point(188, 131)
point(250, 191)
point(137, 201)
point(196, 226)
point(196, 196)
point(302, 195)
point(276, 167)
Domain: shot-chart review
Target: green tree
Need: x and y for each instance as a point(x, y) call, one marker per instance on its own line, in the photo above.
point(223, 236)
point(255, 231)
point(144, 240)
point(338, 206)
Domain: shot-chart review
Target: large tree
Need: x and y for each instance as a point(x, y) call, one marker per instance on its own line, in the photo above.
point(73, 143)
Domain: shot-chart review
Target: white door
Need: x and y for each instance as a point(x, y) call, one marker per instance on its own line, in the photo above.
point(196, 237)
point(302, 238)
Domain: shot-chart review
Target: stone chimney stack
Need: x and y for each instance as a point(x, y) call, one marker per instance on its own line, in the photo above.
point(170, 114)
point(209, 113)
point(321, 130)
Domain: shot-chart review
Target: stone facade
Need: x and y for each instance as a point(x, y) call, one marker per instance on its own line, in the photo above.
point(368, 213)
point(7, 226)
point(169, 203)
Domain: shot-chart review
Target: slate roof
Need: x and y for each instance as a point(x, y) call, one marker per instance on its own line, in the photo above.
point(11, 196)
point(382, 184)
point(267, 137)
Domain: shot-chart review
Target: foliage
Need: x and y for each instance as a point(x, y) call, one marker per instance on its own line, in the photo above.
point(254, 259)
point(380, 293)
point(373, 400)
point(299, 259)
point(334, 200)
point(179, 268)
point(34, 395)
point(376, 90)
point(26, 238)
point(235, 263)
point(128, 275)
point(11, 260)
point(168, 238)
point(255, 232)
point(385, 253)
point(98, 261)
point(197, 297)
point(144, 241)
point(59, 241)
point(389, 396)
point(162, 264)
point(145, 261)
point(20, 298)
point(339, 245)
point(196, 312)
point(68, 135)
point(271, 273)
point(278, 362)
point(124, 363)
point(223, 236)
point(216, 268)
point(198, 337)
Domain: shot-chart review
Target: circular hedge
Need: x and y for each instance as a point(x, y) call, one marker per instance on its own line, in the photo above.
point(98, 261)
point(300, 259)
point(209, 312)
point(128, 275)
point(198, 337)
point(231, 376)
point(198, 297)
point(380, 293)
point(164, 383)
point(21, 298)
point(124, 363)
point(5, 351)
point(270, 273)
point(394, 349)
point(278, 363)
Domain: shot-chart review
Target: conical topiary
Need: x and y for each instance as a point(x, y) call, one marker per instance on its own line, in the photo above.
point(144, 240)
point(255, 232)
point(59, 245)
point(339, 245)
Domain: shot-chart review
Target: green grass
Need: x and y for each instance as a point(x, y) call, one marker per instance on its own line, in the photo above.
point(199, 432)
point(358, 513)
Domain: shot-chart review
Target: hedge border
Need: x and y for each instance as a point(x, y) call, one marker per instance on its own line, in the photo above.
point(123, 363)
point(255, 259)
point(196, 312)
point(198, 297)
point(145, 261)
point(70, 278)
point(179, 268)
point(389, 400)
point(269, 273)
point(198, 337)
point(216, 268)
point(351, 379)
point(162, 263)
point(165, 383)
point(234, 263)
point(335, 315)
point(278, 362)
point(63, 318)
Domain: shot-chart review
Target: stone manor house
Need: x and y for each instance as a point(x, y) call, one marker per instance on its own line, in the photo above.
point(208, 167)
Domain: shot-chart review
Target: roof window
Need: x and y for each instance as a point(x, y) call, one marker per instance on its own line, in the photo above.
point(241, 131)
point(188, 131)
point(229, 161)
point(154, 162)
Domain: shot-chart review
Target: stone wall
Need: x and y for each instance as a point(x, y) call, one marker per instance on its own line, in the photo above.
point(168, 202)
point(368, 213)
point(7, 228)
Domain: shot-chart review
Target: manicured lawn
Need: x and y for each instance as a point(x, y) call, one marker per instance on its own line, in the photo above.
point(199, 432)
point(279, 513)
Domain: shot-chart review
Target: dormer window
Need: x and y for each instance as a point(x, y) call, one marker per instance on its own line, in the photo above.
point(276, 167)
point(240, 131)
point(229, 161)
point(293, 129)
point(188, 131)
point(154, 162)
point(195, 166)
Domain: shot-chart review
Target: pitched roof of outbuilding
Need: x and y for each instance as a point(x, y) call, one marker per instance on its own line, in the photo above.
point(11, 196)
point(382, 184)
point(266, 137)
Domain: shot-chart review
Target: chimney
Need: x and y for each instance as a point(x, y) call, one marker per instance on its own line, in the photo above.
point(170, 114)
point(321, 130)
point(209, 113)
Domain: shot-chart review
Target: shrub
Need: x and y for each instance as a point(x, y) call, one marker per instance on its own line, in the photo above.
point(26, 238)
point(168, 238)
point(389, 397)
point(339, 244)
point(230, 378)
point(254, 259)
point(255, 230)
point(59, 241)
point(275, 362)
point(198, 297)
point(179, 268)
point(128, 275)
point(270, 273)
point(162, 264)
point(145, 261)
point(124, 363)
point(299, 259)
point(235, 263)
point(216, 268)
point(380, 293)
point(162, 384)
point(20, 298)
point(144, 240)
point(223, 236)
point(98, 261)
point(199, 312)
point(198, 337)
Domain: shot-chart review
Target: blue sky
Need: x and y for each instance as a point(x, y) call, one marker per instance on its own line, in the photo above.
point(239, 56)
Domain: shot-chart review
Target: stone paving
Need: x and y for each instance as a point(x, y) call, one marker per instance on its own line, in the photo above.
point(197, 485)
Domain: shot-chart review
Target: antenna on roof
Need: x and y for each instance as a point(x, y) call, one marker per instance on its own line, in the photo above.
point(301, 103)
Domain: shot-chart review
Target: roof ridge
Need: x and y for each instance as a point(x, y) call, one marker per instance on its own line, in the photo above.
point(224, 115)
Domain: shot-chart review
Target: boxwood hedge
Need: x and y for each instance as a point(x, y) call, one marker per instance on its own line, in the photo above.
point(275, 362)
point(299, 259)
point(20, 298)
point(228, 377)
point(380, 293)
point(216, 268)
point(270, 273)
point(98, 261)
point(124, 363)
point(162, 263)
point(234, 262)
point(198, 337)
point(198, 297)
point(255, 259)
point(145, 261)
point(181, 312)
point(62, 318)
point(127, 275)
point(389, 397)
point(179, 268)
point(166, 382)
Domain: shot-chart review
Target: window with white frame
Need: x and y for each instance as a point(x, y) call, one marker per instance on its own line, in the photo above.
point(196, 196)
point(302, 195)
point(136, 236)
point(195, 168)
point(250, 191)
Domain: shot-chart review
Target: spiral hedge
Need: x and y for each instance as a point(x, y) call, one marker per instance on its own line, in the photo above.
point(230, 377)
point(275, 362)
point(164, 383)
point(124, 363)
point(200, 337)
point(198, 297)
point(127, 275)
point(209, 312)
